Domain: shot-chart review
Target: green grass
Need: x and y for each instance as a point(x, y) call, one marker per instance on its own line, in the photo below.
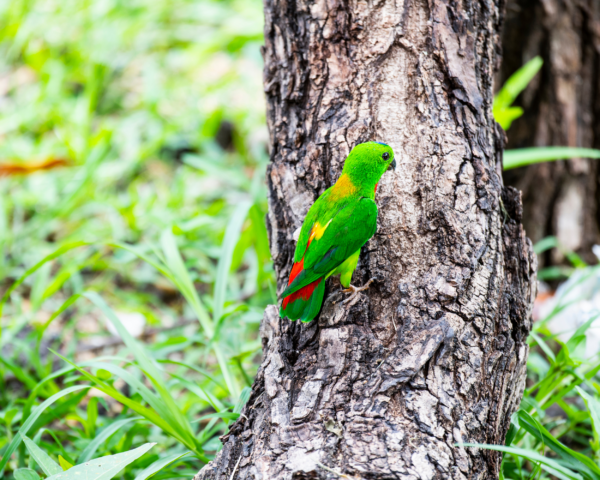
point(160, 213)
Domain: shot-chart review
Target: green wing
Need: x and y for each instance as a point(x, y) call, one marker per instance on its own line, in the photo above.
point(350, 228)
point(321, 211)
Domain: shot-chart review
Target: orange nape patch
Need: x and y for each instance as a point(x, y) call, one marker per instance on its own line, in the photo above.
point(342, 188)
point(296, 269)
point(304, 293)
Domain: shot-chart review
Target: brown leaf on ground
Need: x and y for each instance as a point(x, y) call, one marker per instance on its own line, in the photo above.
point(13, 168)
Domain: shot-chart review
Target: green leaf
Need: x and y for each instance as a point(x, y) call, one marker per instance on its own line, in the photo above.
point(200, 392)
point(172, 429)
point(570, 458)
point(158, 465)
point(65, 465)
point(518, 82)
point(103, 374)
point(57, 253)
point(168, 408)
point(580, 334)
point(522, 157)
point(196, 369)
point(103, 468)
point(232, 235)
point(511, 434)
point(545, 348)
point(20, 373)
point(552, 242)
point(70, 301)
point(92, 416)
point(183, 281)
point(102, 437)
point(48, 466)
point(16, 441)
point(26, 474)
point(550, 465)
point(244, 396)
point(180, 276)
point(545, 244)
point(503, 112)
point(593, 406)
point(223, 415)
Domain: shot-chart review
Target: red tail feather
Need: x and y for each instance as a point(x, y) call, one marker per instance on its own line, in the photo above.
point(296, 269)
point(304, 293)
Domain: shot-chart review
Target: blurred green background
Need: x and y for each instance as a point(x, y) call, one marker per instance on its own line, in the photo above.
point(135, 267)
point(157, 113)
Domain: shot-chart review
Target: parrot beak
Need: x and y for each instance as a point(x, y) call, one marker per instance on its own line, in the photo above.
point(392, 165)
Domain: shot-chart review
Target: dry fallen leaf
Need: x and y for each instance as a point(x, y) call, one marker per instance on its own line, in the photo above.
point(13, 168)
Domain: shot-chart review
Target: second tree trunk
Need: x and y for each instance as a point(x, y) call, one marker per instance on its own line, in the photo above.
point(562, 108)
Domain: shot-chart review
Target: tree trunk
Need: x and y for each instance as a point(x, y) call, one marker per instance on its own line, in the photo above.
point(562, 107)
point(434, 352)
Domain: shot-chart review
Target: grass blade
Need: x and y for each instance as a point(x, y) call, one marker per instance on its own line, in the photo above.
point(182, 280)
point(593, 406)
point(522, 157)
point(574, 460)
point(553, 465)
point(147, 364)
point(157, 466)
point(16, 441)
point(102, 437)
point(232, 235)
point(145, 412)
point(518, 81)
point(49, 466)
point(57, 253)
point(244, 396)
point(184, 283)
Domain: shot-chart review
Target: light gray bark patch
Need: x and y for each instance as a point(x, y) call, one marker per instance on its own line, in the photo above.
point(407, 359)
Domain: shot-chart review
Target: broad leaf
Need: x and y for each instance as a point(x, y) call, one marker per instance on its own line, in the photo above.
point(103, 468)
point(26, 474)
point(49, 466)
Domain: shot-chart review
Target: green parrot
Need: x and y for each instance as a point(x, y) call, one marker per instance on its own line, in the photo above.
point(338, 224)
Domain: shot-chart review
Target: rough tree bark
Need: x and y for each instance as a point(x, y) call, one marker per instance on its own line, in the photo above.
point(434, 352)
point(562, 107)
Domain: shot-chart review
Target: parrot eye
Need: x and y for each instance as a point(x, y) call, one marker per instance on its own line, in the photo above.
point(385, 156)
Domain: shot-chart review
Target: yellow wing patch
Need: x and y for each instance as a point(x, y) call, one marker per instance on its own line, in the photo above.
point(317, 231)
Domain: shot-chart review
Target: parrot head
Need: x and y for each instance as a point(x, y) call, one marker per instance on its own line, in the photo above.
point(367, 162)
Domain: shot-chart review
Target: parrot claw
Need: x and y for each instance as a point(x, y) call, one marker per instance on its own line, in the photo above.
point(355, 291)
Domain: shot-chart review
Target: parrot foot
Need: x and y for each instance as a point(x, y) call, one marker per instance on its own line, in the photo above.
point(355, 291)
